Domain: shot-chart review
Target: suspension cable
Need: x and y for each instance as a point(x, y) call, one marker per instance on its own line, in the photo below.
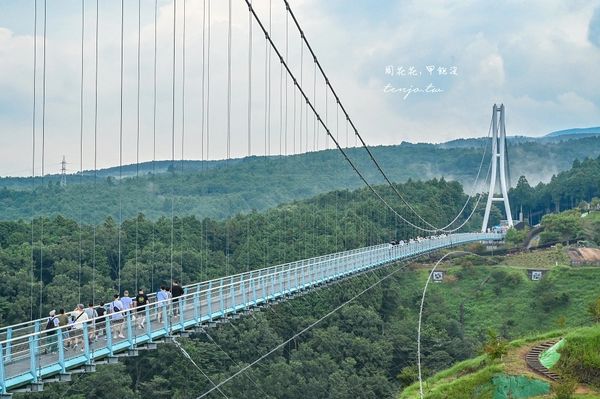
point(308, 328)
point(187, 356)
point(319, 119)
point(356, 133)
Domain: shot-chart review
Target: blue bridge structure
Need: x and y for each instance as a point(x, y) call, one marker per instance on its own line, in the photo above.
point(27, 360)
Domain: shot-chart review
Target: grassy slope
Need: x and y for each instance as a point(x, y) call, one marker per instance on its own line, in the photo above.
point(490, 303)
point(498, 305)
point(462, 379)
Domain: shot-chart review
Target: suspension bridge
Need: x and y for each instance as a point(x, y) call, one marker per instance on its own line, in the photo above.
point(32, 355)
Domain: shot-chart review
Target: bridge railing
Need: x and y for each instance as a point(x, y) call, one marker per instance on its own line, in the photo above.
point(29, 354)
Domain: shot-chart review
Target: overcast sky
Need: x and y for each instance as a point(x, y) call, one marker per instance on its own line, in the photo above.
point(539, 58)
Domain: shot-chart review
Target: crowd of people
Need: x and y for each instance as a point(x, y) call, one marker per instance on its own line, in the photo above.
point(71, 324)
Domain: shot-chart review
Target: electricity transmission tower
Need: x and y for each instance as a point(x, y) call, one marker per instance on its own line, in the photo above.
point(63, 172)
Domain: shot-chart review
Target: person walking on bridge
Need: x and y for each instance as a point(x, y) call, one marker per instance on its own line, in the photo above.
point(141, 301)
point(161, 298)
point(51, 326)
point(116, 317)
point(176, 291)
point(80, 317)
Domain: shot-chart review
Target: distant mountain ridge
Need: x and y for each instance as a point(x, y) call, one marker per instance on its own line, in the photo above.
point(575, 131)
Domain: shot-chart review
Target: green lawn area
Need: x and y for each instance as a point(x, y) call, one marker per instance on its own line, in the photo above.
point(505, 300)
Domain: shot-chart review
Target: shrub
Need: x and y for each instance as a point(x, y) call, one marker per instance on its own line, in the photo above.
point(565, 388)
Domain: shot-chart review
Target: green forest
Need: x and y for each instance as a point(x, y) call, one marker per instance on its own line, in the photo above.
point(219, 189)
point(67, 255)
point(366, 350)
point(566, 190)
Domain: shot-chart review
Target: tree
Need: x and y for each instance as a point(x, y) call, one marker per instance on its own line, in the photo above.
point(495, 347)
point(594, 310)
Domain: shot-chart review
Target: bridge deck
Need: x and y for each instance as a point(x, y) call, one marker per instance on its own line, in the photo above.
point(25, 349)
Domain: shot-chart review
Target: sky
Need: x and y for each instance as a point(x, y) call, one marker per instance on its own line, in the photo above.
point(419, 71)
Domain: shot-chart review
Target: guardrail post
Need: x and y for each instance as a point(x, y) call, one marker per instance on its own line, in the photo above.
point(209, 300)
point(281, 282)
point(221, 299)
point(148, 323)
point(197, 317)
point(33, 349)
point(2, 377)
point(86, 342)
point(253, 282)
point(129, 329)
point(181, 304)
point(232, 294)
point(165, 311)
point(273, 285)
point(8, 354)
point(244, 296)
point(61, 350)
point(109, 335)
point(263, 288)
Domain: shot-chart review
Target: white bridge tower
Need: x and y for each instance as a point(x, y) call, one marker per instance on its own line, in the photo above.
point(499, 167)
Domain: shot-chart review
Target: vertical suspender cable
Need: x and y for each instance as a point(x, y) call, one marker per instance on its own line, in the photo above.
point(269, 72)
point(249, 127)
point(183, 59)
point(154, 142)
point(43, 166)
point(137, 141)
point(280, 109)
point(286, 81)
point(249, 84)
point(227, 223)
point(81, 150)
point(208, 31)
point(301, 79)
point(121, 144)
point(315, 145)
point(95, 150)
point(208, 28)
point(202, 104)
point(33, 116)
point(173, 139)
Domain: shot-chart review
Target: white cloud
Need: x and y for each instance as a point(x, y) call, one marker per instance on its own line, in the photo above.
point(535, 57)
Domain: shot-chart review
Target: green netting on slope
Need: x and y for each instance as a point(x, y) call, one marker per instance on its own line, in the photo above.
point(550, 356)
point(518, 387)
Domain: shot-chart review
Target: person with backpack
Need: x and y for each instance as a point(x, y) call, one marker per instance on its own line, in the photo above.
point(177, 291)
point(51, 325)
point(63, 322)
point(116, 317)
point(101, 320)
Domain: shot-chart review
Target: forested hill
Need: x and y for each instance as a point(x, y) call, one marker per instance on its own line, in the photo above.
point(219, 189)
point(566, 190)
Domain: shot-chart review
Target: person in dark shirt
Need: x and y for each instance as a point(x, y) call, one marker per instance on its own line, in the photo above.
point(176, 291)
point(101, 320)
point(140, 301)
